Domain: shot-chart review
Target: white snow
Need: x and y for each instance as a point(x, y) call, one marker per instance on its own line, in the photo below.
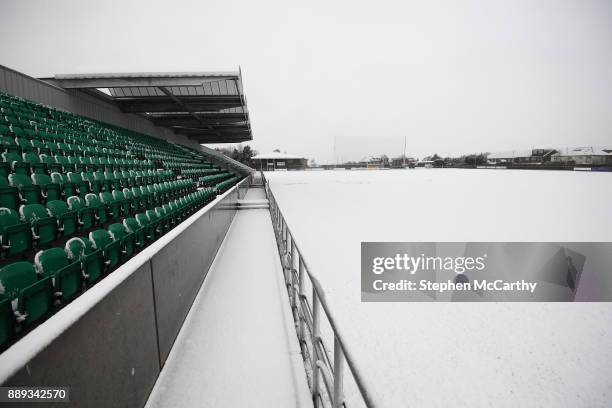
point(458, 354)
point(237, 347)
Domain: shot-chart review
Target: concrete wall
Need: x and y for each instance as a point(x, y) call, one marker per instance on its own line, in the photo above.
point(111, 355)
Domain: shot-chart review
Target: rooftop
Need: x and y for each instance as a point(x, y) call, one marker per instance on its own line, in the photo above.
point(209, 107)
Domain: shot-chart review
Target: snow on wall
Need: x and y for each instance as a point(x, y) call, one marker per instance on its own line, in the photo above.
point(458, 354)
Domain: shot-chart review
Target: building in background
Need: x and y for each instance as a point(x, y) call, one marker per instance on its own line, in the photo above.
point(586, 156)
point(279, 161)
point(532, 156)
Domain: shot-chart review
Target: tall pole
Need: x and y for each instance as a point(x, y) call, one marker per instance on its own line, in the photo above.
point(335, 157)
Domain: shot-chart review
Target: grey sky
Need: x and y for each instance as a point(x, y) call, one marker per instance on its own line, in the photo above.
point(454, 77)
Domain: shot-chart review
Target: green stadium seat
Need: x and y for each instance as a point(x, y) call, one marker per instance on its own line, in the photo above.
point(95, 185)
point(119, 233)
point(102, 239)
point(7, 144)
point(155, 222)
point(9, 195)
point(48, 189)
point(137, 198)
point(125, 204)
point(170, 215)
point(105, 185)
point(36, 165)
point(145, 223)
point(100, 211)
point(110, 182)
point(52, 165)
point(121, 179)
point(16, 163)
point(68, 188)
point(113, 206)
point(34, 297)
point(66, 275)
point(15, 236)
point(67, 220)
point(81, 250)
point(64, 163)
point(24, 145)
point(53, 149)
point(146, 197)
point(132, 226)
point(28, 191)
point(76, 163)
point(164, 219)
point(44, 226)
point(82, 186)
point(18, 131)
point(86, 164)
point(40, 147)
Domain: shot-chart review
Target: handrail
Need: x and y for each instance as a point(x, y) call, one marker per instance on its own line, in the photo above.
point(307, 318)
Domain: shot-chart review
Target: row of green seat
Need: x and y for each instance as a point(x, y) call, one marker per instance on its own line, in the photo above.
point(213, 179)
point(36, 225)
point(20, 189)
point(31, 292)
point(29, 163)
point(225, 185)
point(53, 144)
point(194, 174)
point(94, 136)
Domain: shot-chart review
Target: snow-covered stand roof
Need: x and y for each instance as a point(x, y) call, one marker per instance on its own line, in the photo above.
point(208, 107)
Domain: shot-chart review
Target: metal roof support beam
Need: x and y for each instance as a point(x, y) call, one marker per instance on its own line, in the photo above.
point(144, 106)
point(190, 121)
point(181, 104)
point(127, 82)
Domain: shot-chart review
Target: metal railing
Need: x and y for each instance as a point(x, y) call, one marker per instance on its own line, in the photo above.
point(307, 316)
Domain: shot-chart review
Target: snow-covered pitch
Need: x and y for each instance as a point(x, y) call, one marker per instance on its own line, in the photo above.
point(458, 354)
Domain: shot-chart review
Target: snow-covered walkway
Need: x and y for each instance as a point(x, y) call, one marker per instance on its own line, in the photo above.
point(238, 347)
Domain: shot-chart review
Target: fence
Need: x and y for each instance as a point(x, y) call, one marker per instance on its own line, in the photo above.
point(307, 315)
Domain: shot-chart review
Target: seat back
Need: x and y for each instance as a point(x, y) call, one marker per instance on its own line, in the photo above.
point(92, 200)
point(41, 179)
point(33, 212)
point(15, 277)
point(66, 276)
point(34, 297)
point(76, 248)
point(43, 225)
point(15, 236)
point(8, 218)
point(143, 219)
point(20, 180)
point(100, 238)
point(50, 261)
point(58, 178)
point(67, 219)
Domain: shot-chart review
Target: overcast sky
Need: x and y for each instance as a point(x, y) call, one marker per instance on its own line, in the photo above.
point(453, 77)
